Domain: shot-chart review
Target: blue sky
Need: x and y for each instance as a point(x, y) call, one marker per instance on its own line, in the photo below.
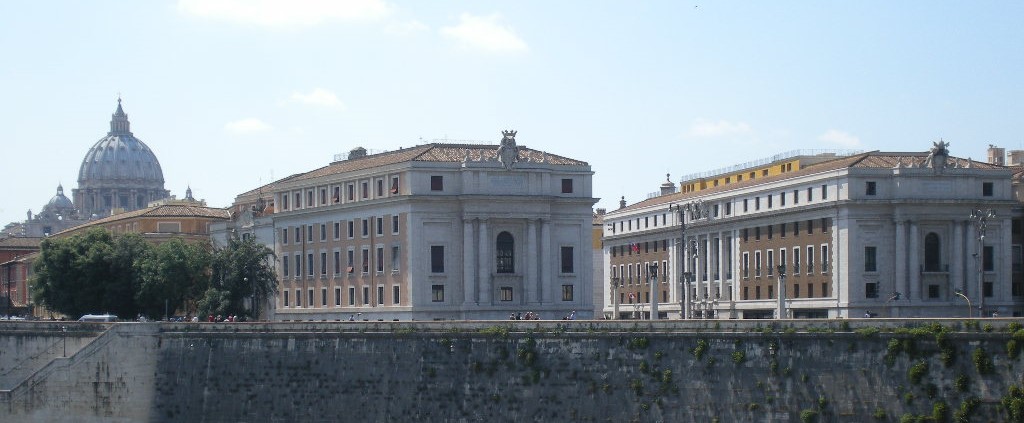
point(230, 94)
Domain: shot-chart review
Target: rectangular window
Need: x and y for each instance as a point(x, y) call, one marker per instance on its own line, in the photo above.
point(394, 224)
point(323, 196)
point(337, 262)
point(771, 230)
point(394, 258)
point(309, 199)
point(1017, 259)
point(757, 233)
point(506, 293)
point(810, 195)
point(796, 228)
point(824, 192)
point(744, 205)
point(796, 291)
point(437, 293)
point(284, 266)
point(796, 196)
point(309, 264)
point(771, 262)
point(810, 259)
point(782, 230)
point(870, 290)
point(810, 227)
point(870, 263)
point(366, 227)
point(351, 295)
point(810, 290)
point(337, 296)
point(988, 258)
point(869, 188)
point(298, 202)
point(757, 264)
point(796, 260)
point(437, 259)
point(757, 203)
point(323, 232)
point(323, 297)
point(309, 300)
point(350, 191)
point(284, 236)
point(380, 225)
point(380, 295)
point(986, 189)
point(566, 292)
point(337, 194)
point(298, 298)
point(337, 230)
point(728, 208)
point(309, 233)
point(566, 186)
point(366, 295)
point(284, 202)
point(824, 225)
point(437, 183)
point(351, 229)
point(286, 299)
point(782, 198)
point(364, 190)
point(771, 292)
point(351, 261)
point(757, 292)
point(746, 265)
point(298, 269)
point(323, 263)
point(394, 185)
point(380, 188)
point(769, 201)
point(365, 257)
point(567, 260)
point(380, 259)
point(782, 257)
point(824, 259)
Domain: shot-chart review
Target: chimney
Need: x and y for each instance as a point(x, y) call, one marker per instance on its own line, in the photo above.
point(996, 155)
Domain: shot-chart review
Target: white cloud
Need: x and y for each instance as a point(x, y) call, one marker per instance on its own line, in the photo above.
point(405, 28)
point(840, 138)
point(704, 128)
point(484, 33)
point(286, 13)
point(318, 97)
point(247, 126)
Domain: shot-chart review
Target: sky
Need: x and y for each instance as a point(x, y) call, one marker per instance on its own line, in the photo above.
point(233, 94)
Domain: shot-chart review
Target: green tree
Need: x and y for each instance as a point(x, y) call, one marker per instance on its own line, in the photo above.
point(174, 276)
point(240, 272)
point(92, 272)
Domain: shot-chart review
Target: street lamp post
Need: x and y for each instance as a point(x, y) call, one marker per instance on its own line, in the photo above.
point(961, 293)
point(780, 311)
point(684, 282)
point(980, 218)
point(684, 297)
point(615, 281)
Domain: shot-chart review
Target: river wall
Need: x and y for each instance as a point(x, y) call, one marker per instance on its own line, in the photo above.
point(725, 371)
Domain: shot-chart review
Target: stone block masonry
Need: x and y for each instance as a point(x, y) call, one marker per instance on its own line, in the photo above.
point(825, 370)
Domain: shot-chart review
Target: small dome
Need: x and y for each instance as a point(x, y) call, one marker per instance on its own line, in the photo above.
point(59, 201)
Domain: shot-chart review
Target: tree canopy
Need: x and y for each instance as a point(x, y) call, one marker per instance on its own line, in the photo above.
point(97, 272)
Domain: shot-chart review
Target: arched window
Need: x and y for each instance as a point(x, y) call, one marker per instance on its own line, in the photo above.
point(932, 263)
point(506, 253)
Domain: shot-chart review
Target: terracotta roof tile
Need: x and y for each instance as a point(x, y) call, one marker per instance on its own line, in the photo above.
point(20, 242)
point(166, 210)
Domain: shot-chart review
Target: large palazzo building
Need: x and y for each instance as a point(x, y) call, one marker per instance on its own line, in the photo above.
point(822, 235)
point(437, 231)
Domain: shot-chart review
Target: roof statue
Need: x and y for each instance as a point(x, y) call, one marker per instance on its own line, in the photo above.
point(508, 152)
point(937, 156)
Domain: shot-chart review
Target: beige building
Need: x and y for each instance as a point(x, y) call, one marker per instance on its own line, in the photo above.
point(880, 234)
point(437, 231)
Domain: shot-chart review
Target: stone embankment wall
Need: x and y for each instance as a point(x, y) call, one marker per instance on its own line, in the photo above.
point(727, 371)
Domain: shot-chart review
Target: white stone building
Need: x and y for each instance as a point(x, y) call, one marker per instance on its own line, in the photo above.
point(437, 231)
point(879, 234)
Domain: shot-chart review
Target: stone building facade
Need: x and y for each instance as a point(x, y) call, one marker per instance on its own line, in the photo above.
point(437, 231)
point(878, 234)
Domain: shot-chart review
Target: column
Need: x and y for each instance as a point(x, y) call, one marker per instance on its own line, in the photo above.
point(531, 280)
point(915, 262)
point(956, 262)
point(721, 266)
point(901, 281)
point(546, 268)
point(971, 263)
point(1003, 263)
point(469, 281)
point(484, 265)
